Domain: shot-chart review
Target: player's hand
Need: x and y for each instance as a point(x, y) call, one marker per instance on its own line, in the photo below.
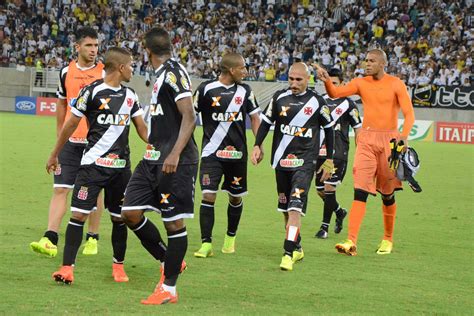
point(327, 168)
point(52, 163)
point(171, 163)
point(322, 73)
point(404, 139)
point(257, 155)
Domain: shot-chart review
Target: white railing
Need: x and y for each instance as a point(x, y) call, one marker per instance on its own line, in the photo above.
point(44, 81)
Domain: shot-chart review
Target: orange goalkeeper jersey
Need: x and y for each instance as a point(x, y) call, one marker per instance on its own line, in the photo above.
point(72, 79)
point(381, 99)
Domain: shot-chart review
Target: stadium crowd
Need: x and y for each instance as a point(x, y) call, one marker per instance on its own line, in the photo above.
point(426, 41)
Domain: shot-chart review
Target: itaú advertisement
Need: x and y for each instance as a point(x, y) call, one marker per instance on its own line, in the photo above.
point(451, 132)
point(421, 130)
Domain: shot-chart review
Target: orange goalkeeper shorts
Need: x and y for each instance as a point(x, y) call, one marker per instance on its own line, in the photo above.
point(371, 169)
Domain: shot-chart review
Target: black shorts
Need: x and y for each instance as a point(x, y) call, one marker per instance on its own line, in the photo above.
point(293, 188)
point(69, 163)
point(171, 195)
point(337, 177)
point(235, 176)
point(91, 179)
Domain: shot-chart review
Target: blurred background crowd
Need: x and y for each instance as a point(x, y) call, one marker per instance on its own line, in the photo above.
point(426, 41)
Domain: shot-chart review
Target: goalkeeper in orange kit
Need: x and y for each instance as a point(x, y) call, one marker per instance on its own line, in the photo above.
point(382, 98)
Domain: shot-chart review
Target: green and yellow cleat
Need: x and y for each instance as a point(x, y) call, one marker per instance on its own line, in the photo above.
point(347, 247)
point(286, 263)
point(90, 248)
point(229, 244)
point(298, 255)
point(385, 247)
point(205, 250)
point(45, 247)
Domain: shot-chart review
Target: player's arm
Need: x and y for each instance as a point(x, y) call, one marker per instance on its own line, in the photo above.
point(336, 92)
point(327, 168)
point(141, 127)
point(60, 115)
point(354, 119)
point(407, 110)
point(268, 118)
point(188, 123)
point(63, 137)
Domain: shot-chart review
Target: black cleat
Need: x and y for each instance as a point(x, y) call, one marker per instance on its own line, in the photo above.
point(321, 234)
point(340, 221)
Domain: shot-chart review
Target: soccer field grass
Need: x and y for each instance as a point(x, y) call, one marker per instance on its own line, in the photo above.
point(430, 271)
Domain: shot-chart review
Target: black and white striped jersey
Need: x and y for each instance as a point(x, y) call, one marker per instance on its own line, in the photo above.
point(223, 111)
point(164, 120)
point(297, 119)
point(108, 111)
point(344, 112)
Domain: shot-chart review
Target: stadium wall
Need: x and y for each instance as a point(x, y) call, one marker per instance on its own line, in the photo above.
point(16, 83)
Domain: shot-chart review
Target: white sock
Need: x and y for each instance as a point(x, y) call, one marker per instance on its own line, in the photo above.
point(171, 289)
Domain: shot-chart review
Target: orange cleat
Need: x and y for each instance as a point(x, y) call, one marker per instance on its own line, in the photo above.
point(119, 273)
point(160, 297)
point(65, 275)
point(184, 266)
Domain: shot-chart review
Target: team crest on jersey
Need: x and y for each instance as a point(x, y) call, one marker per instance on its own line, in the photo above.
point(82, 194)
point(155, 88)
point(326, 113)
point(282, 198)
point(185, 83)
point(129, 102)
point(229, 152)
point(296, 131)
point(215, 101)
point(338, 111)
point(238, 100)
point(111, 161)
point(114, 119)
point(355, 114)
point(57, 171)
point(151, 153)
point(284, 110)
point(291, 161)
point(171, 80)
point(206, 180)
point(80, 103)
point(297, 193)
point(308, 110)
point(227, 116)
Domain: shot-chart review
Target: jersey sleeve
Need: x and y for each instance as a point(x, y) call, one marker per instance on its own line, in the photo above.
point(61, 91)
point(269, 114)
point(179, 82)
point(198, 97)
point(251, 105)
point(79, 108)
point(354, 115)
point(136, 108)
point(342, 91)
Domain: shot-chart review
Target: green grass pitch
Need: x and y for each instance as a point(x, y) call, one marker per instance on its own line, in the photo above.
point(430, 271)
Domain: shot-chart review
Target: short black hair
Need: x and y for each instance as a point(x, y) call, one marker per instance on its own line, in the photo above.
point(158, 41)
point(84, 32)
point(334, 72)
point(116, 56)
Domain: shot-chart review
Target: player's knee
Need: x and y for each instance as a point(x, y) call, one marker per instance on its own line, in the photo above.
point(61, 191)
point(116, 219)
point(132, 218)
point(79, 216)
point(235, 200)
point(360, 195)
point(174, 225)
point(209, 197)
point(329, 188)
point(388, 200)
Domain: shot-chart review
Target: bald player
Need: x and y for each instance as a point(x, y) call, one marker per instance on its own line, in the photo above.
point(298, 114)
point(224, 104)
point(382, 98)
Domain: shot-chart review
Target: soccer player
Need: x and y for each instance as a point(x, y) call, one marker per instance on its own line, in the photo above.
point(224, 104)
point(298, 114)
point(109, 107)
point(79, 73)
point(382, 97)
point(164, 180)
point(344, 113)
